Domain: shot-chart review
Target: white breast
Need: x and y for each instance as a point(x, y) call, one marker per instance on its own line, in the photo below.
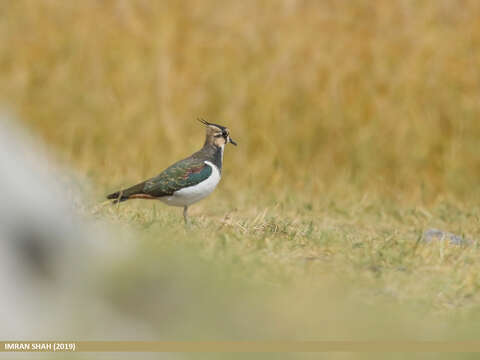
point(192, 194)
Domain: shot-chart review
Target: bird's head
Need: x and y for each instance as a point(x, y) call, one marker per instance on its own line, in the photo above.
point(216, 134)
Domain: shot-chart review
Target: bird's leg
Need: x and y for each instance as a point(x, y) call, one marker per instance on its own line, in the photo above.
point(185, 215)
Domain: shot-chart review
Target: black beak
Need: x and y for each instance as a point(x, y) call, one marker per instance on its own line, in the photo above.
point(232, 141)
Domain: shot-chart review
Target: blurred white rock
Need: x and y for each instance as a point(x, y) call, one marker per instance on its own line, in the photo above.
point(49, 255)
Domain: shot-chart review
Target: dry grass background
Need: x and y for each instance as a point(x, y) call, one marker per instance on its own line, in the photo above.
point(357, 124)
point(379, 95)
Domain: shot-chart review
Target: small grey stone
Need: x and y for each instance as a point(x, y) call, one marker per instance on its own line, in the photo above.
point(440, 235)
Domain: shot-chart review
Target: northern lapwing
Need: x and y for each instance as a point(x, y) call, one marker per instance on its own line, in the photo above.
point(188, 180)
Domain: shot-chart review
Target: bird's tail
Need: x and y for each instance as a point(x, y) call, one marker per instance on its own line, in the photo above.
point(124, 195)
point(117, 197)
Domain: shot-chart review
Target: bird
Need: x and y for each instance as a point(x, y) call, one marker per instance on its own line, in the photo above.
point(186, 181)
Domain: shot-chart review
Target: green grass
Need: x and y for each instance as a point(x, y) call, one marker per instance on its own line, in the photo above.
point(374, 245)
point(296, 269)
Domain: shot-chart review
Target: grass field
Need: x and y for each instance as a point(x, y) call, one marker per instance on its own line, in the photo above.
point(357, 123)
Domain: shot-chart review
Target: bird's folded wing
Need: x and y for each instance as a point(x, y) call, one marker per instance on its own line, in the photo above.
point(187, 172)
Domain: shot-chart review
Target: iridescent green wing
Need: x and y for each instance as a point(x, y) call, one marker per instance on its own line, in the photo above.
point(187, 172)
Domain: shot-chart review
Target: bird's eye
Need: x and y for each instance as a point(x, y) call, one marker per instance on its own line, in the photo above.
point(224, 133)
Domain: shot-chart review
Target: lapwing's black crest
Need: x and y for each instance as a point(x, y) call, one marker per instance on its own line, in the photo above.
point(206, 123)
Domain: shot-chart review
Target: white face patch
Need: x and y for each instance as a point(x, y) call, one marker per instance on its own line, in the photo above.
point(192, 194)
point(219, 141)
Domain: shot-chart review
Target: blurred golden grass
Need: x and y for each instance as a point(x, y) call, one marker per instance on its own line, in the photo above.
point(319, 94)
